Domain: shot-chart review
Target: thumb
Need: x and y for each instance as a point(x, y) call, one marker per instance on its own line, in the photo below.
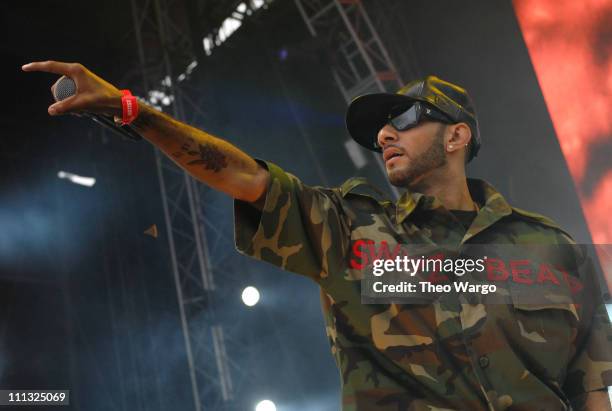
point(63, 107)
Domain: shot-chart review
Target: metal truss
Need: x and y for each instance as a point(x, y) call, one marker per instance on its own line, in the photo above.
point(360, 61)
point(164, 48)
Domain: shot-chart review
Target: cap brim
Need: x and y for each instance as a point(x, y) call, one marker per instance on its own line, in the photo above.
point(367, 114)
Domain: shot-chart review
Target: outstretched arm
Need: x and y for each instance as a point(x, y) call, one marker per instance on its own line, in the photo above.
point(209, 159)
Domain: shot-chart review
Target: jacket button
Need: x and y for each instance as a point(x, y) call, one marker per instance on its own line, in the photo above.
point(483, 361)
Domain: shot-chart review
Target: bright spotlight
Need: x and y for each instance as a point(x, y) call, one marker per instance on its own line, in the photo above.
point(265, 405)
point(250, 297)
point(76, 179)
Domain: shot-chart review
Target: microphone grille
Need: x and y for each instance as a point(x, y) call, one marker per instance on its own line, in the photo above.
point(64, 88)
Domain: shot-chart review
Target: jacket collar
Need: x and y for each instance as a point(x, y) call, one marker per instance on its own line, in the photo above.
point(493, 206)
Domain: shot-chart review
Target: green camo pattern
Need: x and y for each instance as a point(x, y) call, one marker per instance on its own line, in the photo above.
point(440, 356)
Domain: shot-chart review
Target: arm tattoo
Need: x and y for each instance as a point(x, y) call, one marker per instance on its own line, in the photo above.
point(210, 156)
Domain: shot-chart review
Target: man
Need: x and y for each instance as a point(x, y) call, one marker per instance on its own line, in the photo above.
point(391, 356)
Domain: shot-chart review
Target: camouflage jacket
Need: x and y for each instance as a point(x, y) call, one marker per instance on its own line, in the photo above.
point(427, 357)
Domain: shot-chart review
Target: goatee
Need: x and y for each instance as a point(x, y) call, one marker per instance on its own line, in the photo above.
point(434, 157)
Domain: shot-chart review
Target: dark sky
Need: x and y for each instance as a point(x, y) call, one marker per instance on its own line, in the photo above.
point(58, 30)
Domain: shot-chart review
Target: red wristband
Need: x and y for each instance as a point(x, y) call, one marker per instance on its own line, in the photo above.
point(129, 104)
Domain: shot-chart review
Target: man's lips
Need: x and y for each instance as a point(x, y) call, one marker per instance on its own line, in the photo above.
point(390, 153)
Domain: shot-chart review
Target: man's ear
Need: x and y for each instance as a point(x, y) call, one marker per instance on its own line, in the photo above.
point(461, 134)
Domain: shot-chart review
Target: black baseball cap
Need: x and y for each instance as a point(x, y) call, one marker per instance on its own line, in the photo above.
point(368, 113)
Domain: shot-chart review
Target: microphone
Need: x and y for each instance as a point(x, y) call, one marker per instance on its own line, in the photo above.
point(66, 87)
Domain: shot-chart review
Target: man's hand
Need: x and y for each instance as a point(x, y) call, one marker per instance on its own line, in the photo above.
point(94, 95)
point(209, 159)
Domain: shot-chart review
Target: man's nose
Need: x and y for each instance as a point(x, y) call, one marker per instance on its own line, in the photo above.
point(387, 134)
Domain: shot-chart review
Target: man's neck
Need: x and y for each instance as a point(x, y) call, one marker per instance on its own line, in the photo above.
point(450, 189)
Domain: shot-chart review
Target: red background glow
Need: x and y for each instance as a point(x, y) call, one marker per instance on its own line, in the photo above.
point(570, 45)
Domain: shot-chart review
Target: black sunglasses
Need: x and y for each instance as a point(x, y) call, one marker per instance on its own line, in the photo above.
point(403, 117)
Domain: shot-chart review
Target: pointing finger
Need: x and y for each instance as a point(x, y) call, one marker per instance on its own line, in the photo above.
point(49, 67)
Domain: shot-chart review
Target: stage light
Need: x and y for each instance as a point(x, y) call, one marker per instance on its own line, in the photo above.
point(265, 405)
point(231, 24)
point(250, 296)
point(191, 66)
point(76, 179)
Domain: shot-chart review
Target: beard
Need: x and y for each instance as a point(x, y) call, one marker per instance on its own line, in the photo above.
point(434, 157)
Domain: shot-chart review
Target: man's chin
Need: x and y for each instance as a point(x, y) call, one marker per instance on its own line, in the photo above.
point(398, 179)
